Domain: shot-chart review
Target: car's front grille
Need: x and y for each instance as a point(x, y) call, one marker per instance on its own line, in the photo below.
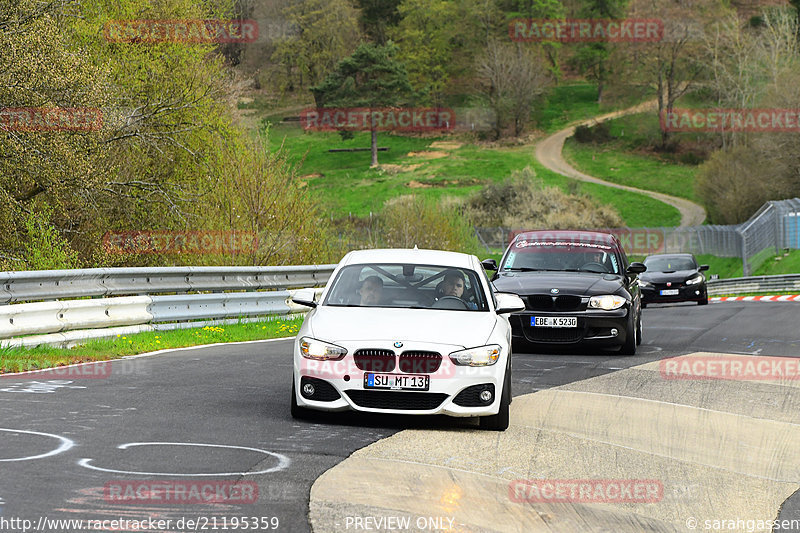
point(374, 360)
point(554, 334)
point(420, 362)
point(323, 391)
point(407, 401)
point(470, 397)
point(568, 303)
point(539, 302)
point(545, 302)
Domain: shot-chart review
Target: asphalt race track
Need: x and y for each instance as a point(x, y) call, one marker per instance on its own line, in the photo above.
point(103, 447)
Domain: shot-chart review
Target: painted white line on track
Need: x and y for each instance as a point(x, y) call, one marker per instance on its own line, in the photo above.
point(66, 444)
point(283, 461)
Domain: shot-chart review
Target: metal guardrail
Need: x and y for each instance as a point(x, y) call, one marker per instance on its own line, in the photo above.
point(755, 284)
point(40, 285)
point(58, 320)
point(260, 292)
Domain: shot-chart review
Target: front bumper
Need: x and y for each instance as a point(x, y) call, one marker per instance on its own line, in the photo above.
point(453, 390)
point(686, 293)
point(594, 328)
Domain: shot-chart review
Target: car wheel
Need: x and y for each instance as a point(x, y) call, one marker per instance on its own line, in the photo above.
point(639, 331)
point(644, 305)
point(300, 413)
point(499, 422)
point(704, 301)
point(629, 348)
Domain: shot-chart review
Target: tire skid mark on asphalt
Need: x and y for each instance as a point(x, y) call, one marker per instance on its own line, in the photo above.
point(718, 436)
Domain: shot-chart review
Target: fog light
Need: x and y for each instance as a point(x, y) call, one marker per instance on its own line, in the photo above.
point(308, 390)
point(614, 332)
point(697, 293)
point(486, 396)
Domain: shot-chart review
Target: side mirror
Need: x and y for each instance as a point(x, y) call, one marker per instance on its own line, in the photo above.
point(304, 297)
point(508, 303)
point(636, 268)
point(702, 268)
point(489, 264)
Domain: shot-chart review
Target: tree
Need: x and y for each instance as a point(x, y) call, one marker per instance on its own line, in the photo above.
point(327, 32)
point(593, 59)
point(541, 9)
point(377, 16)
point(512, 76)
point(753, 68)
point(673, 65)
point(370, 78)
point(426, 38)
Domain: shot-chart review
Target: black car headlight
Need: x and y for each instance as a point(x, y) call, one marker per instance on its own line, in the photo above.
point(695, 280)
point(320, 350)
point(607, 302)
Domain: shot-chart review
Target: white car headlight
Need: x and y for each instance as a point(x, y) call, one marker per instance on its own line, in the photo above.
point(643, 283)
point(607, 302)
point(320, 350)
point(695, 280)
point(480, 356)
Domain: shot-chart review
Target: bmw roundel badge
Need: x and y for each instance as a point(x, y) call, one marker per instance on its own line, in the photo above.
point(398, 344)
point(554, 291)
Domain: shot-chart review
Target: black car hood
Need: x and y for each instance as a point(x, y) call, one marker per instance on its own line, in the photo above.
point(663, 277)
point(577, 283)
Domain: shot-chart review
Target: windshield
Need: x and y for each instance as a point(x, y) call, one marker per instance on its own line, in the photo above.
point(408, 286)
point(545, 255)
point(663, 264)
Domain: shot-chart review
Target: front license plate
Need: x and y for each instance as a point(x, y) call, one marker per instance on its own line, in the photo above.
point(554, 321)
point(396, 382)
point(670, 292)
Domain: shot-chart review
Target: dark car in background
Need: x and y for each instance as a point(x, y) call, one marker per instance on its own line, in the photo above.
point(578, 289)
point(673, 278)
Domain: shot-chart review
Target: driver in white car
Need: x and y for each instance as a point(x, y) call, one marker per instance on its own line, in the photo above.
point(453, 285)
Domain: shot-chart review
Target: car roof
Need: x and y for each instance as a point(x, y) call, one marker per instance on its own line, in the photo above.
point(409, 256)
point(576, 235)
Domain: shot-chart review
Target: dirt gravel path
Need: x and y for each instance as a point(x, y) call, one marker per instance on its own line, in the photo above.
point(549, 153)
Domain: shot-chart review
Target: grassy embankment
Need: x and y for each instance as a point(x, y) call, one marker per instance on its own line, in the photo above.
point(18, 359)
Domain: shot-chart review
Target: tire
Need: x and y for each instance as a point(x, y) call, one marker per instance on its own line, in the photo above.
point(704, 301)
point(299, 413)
point(644, 305)
point(629, 348)
point(639, 332)
point(499, 422)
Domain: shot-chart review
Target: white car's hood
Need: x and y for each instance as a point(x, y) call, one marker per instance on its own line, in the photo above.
point(455, 328)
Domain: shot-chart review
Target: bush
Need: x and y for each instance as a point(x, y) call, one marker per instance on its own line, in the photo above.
point(523, 202)
point(598, 134)
point(410, 221)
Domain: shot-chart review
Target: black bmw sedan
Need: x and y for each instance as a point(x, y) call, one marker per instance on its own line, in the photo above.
point(673, 278)
point(578, 290)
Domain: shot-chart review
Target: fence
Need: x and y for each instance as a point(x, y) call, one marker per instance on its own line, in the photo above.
point(144, 299)
point(773, 227)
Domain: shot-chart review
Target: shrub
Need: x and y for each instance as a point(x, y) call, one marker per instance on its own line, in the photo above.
point(523, 202)
point(598, 134)
point(410, 221)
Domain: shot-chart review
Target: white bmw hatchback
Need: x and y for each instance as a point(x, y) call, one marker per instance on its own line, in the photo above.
point(406, 332)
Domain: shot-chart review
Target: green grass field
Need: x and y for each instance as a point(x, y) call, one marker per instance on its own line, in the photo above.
point(784, 263)
point(633, 170)
point(21, 359)
point(346, 185)
point(572, 102)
